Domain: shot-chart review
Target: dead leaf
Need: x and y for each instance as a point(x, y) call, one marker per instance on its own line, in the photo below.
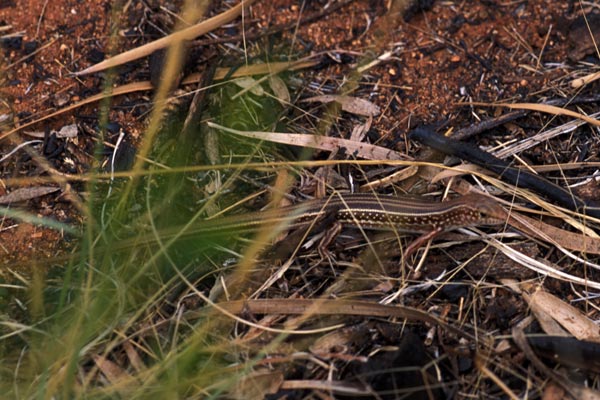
point(67, 131)
point(185, 34)
point(570, 318)
point(390, 179)
point(133, 356)
point(360, 131)
point(338, 341)
point(110, 370)
point(27, 193)
point(257, 385)
point(349, 104)
point(250, 84)
point(280, 89)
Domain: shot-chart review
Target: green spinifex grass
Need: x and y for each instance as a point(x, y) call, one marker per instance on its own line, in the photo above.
point(108, 322)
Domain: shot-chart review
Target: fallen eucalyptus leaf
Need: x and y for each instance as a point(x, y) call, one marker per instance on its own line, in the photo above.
point(28, 193)
point(249, 83)
point(353, 105)
point(280, 89)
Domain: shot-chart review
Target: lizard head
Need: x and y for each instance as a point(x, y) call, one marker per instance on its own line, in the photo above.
point(488, 210)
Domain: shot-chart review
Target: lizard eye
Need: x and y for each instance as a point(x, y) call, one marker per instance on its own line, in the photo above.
point(489, 212)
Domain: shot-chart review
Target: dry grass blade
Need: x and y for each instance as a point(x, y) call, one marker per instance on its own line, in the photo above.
point(480, 364)
point(257, 69)
point(556, 236)
point(357, 149)
point(185, 34)
point(541, 267)
point(129, 88)
point(7, 212)
point(541, 137)
point(541, 108)
point(220, 73)
point(329, 386)
point(579, 82)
